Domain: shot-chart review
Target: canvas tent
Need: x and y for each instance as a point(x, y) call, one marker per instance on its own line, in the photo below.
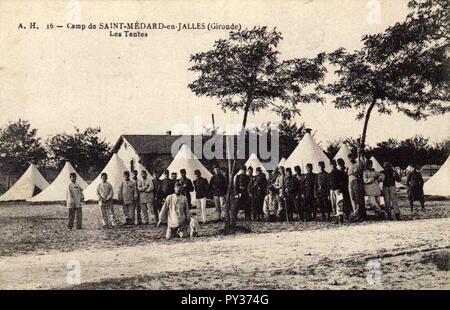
point(115, 169)
point(56, 191)
point(187, 160)
point(439, 183)
point(376, 164)
point(282, 162)
point(343, 153)
point(29, 184)
point(307, 151)
point(254, 162)
point(378, 167)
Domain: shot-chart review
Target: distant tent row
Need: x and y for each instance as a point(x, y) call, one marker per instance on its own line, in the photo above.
point(32, 186)
point(30, 183)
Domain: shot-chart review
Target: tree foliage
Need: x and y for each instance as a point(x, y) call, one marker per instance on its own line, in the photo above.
point(84, 149)
point(405, 68)
point(246, 74)
point(19, 146)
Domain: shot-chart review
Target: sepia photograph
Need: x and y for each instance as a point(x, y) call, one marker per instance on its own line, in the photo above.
point(220, 146)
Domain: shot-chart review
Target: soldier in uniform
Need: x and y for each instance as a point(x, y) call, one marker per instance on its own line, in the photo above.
point(310, 183)
point(242, 181)
point(414, 181)
point(136, 207)
point(290, 193)
point(251, 194)
point(322, 192)
point(299, 199)
point(186, 186)
point(127, 195)
point(259, 190)
point(145, 190)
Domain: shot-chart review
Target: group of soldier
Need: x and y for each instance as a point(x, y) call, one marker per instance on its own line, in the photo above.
point(278, 196)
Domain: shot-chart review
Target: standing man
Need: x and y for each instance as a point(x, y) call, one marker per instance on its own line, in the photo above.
point(310, 184)
point(414, 182)
point(175, 210)
point(241, 192)
point(74, 198)
point(259, 191)
point(166, 187)
point(201, 187)
point(389, 190)
point(146, 197)
point(336, 188)
point(136, 208)
point(219, 186)
point(157, 204)
point(251, 194)
point(355, 188)
point(299, 200)
point(290, 193)
point(186, 186)
point(346, 195)
point(105, 196)
point(322, 191)
point(127, 195)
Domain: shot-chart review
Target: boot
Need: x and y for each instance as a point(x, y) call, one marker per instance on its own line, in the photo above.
point(341, 219)
point(389, 214)
point(397, 216)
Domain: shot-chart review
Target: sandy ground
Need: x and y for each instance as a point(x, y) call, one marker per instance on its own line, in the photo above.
point(35, 248)
point(304, 259)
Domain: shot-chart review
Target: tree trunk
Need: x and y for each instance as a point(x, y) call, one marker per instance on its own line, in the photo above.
point(230, 205)
point(362, 144)
point(361, 153)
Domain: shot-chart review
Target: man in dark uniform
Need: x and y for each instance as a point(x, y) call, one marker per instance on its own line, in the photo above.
point(260, 184)
point(299, 199)
point(156, 190)
point(251, 193)
point(166, 187)
point(186, 186)
point(310, 183)
point(290, 193)
point(414, 181)
point(136, 202)
point(219, 187)
point(323, 192)
point(241, 192)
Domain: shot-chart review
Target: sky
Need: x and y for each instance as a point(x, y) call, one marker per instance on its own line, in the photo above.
point(61, 78)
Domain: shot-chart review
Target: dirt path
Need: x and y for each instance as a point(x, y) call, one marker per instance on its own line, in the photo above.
point(253, 252)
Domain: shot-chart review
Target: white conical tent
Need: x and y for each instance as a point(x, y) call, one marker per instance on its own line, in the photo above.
point(282, 162)
point(254, 162)
point(29, 183)
point(114, 169)
point(57, 190)
point(376, 164)
point(343, 153)
point(439, 183)
point(187, 160)
point(307, 151)
point(378, 167)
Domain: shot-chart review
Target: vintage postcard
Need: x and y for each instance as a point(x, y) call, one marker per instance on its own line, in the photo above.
point(224, 145)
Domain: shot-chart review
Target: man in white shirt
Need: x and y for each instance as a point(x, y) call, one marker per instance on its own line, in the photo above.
point(105, 195)
point(145, 189)
point(175, 210)
point(74, 197)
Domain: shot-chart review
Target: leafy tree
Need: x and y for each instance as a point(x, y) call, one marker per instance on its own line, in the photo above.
point(19, 146)
point(85, 150)
point(405, 68)
point(245, 74)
